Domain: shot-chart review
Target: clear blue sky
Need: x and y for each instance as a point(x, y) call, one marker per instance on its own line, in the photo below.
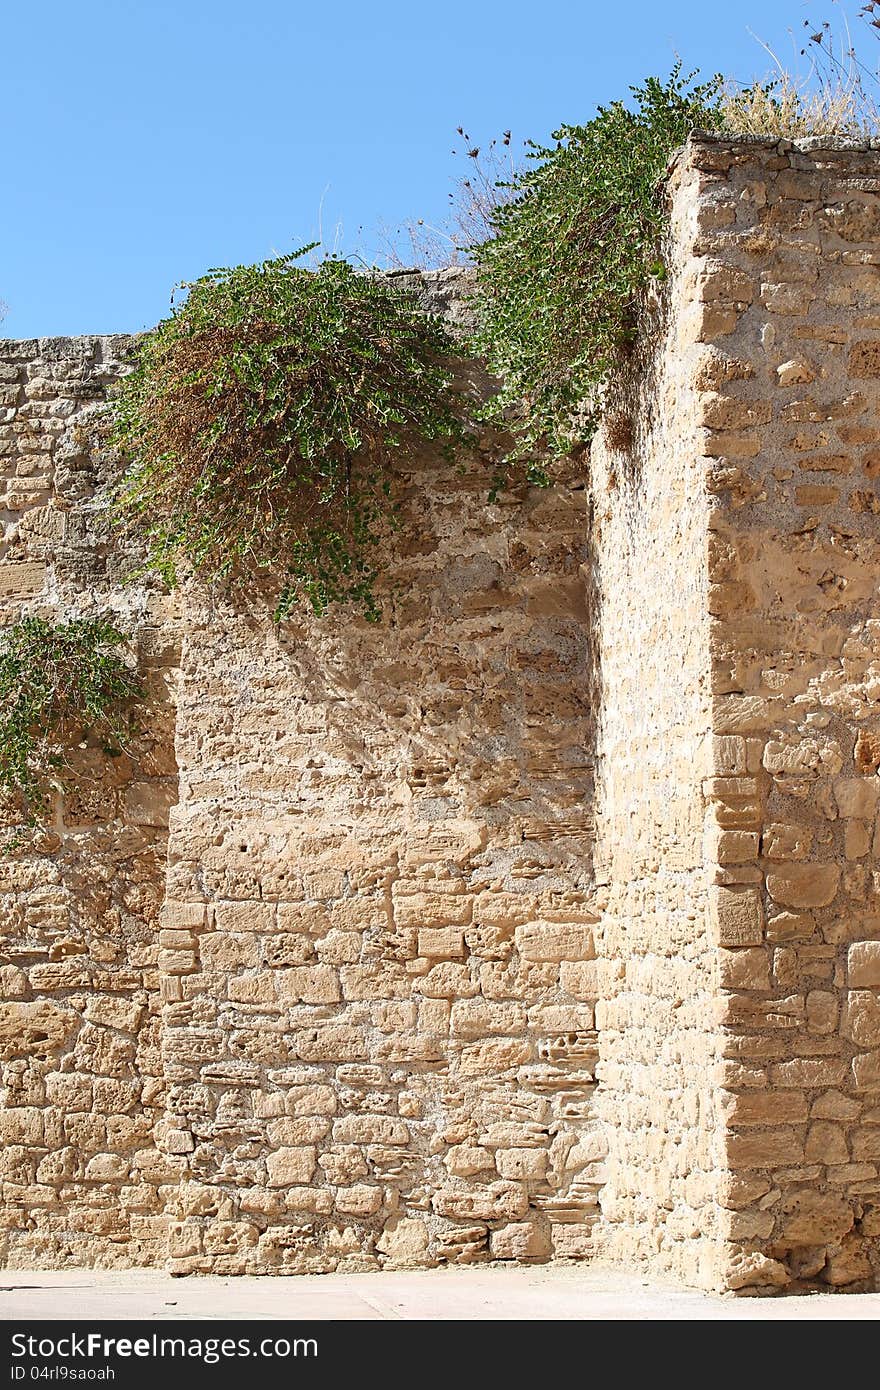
point(147, 140)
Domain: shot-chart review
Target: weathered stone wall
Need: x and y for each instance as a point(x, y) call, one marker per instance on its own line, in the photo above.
point(82, 1181)
point(539, 919)
point(789, 263)
point(378, 1019)
point(655, 972)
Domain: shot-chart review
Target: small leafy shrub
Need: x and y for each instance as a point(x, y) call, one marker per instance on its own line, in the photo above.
point(262, 419)
point(56, 683)
point(573, 252)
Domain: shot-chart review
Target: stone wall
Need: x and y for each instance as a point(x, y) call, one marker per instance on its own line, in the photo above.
point(378, 1016)
point(788, 265)
point(82, 1180)
point(657, 1027)
point(538, 920)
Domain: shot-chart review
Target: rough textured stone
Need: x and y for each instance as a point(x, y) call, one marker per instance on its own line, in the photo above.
point(539, 919)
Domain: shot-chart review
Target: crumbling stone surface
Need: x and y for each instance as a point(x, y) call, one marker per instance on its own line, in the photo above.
point(83, 1086)
point(539, 920)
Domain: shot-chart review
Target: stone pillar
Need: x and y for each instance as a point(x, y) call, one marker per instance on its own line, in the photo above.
point(742, 1028)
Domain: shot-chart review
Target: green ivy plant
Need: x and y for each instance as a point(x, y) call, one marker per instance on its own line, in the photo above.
point(573, 251)
point(57, 683)
point(263, 418)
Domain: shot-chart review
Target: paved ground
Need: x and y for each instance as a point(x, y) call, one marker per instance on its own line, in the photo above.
point(509, 1294)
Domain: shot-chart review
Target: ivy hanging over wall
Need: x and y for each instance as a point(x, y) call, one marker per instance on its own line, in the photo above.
point(263, 418)
point(58, 683)
point(573, 251)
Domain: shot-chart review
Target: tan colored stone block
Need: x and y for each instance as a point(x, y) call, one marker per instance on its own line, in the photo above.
point(363, 1199)
point(580, 978)
point(826, 1143)
point(290, 1167)
point(769, 1148)
point(370, 1129)
point(221, 950)
point(808, 1072)
point(405, 1241)
point(748, 968)
point(22, 579)
point(520, 1240)
point(763, 1108)
point(814, 1218)
point(499, 1055)
point(861, 1017)
point(736, 917)
point(857, 796)
point(822, 1011)
point(863, 965)
point(464, 1160)
point(866, 1071)
point(497, 1202)
point(443, 943)
point(524, 1164)
point(34, 1029)
point(297, 1131)
point(378, 980)
point(804, 885)
point(448, 980)
point(554, 941)
point(475, 1018)
point(236, 917)
point(308, 984)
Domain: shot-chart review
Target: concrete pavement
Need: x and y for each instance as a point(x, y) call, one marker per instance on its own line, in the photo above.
point(540, 1293)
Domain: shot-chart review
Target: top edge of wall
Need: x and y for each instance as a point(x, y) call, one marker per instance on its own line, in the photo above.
point(775, 144)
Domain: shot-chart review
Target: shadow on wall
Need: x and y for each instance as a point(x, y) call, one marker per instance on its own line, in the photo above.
point(474, 697)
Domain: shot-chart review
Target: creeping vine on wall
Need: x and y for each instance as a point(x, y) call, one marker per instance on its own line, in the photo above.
point(58, 683)
point(263, 419)
point(573, 251)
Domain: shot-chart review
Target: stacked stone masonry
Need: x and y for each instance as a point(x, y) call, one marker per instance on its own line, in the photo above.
point(540, 920)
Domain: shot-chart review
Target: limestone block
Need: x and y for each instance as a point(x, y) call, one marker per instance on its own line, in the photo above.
point(861, 1017)
point(851, 1265)
point(448, 981)
point(22, 579)
point(294, 1132)
point(34, 1029)
point(520, 1240)
point(736, 917)
point(554, 941)
point(148, 803)
point(826, 1143)
point(814, 1218)
point(804, 885)
point(523, 1164)
point(863, 964)
point(751, 1269)
point(405, 1241)
point(369, 1129)
point(465, 1160)
point(308, 984)
point(748, 968)
point(769, 1148)
point(866, 1070)
point(444, 943)
point(223, 950)
point(497, 1202)
point(363, 1199)
point(289, 1167)
point(492, 1058)
point(763, 1108)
